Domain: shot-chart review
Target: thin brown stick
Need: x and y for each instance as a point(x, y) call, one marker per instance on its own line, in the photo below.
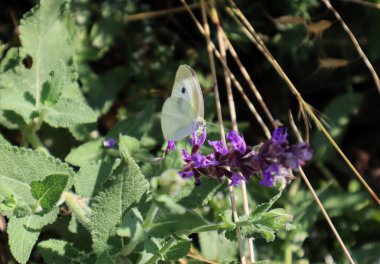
point(363, 3)
point(356, 44)
point(249, 79)
point(221, 126)
point(316, 198)
point(233, 78)
point(305, 107)
point(158, 13)
point(231, 105)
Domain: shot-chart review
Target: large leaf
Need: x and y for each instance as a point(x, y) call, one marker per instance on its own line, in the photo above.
point(23, 233)
point(125, 187)
point(20, 167)
point(55, 251)
point(48, 88)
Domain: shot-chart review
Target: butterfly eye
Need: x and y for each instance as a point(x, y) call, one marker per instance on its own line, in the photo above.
point(183, 90)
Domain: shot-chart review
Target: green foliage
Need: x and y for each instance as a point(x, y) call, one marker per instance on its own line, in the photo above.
point(125, 187)
point(75, 73)
point(48, 191)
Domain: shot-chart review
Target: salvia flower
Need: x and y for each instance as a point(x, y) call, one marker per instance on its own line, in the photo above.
point(170, 147)
point(109, 142)
point(272, 161)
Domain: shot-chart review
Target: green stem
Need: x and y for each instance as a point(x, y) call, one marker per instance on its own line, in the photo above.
point(288, 254)
point(80, 210)
point(163, 250)
point(36, 143)
point(153, 210)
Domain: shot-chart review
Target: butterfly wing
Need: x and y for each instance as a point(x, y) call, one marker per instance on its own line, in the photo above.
point(186, 86)
point(177, 120)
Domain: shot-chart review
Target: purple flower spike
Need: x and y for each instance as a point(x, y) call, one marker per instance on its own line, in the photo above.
point(170, 147)
point(236, 179)
point(199, 161)
point(109, 143)
point(218, 147)
point(279, 135)
point(237, 142)
point(186, 174)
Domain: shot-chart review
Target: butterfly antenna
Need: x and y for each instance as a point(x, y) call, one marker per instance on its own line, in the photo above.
point(226, 129)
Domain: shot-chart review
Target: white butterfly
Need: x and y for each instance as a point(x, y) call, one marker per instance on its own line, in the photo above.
point(183, 111)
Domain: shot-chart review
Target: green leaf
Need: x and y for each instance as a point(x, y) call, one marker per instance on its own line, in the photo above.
point(338, 114)
point(19, 167)
point(123, 189)
point(91, 177)
point(178, 250)
point(191, 196)
point(23, 233)
point(48, 191)
point(259, 210)
point(85, 153)
point(37, 91)
point(216, 247)
point(67, 112)
point(55, 251)
point(129, 143)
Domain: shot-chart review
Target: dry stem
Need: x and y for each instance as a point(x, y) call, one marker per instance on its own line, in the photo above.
point(152, 14)
point(316, 198)
point(221, 126)
point(305, 108)
point(356, 44)
point(231, 104)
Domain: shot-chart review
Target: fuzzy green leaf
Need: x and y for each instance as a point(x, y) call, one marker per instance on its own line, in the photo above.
point(19, 167)
point(178, 250)
point(85, 153)
point(23, 233)
point(46, 88)
point(48, 191)
point(55, 251)
point(125, 187)
point(91, 176)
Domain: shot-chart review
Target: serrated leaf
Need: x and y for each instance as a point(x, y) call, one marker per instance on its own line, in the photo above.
point(67, 112)
point(259, 210)
point(124, 188)
point(37, 91)
point(19, 167)
point(48, 191)
point(55, 251)
point(86, 153)
point(178, 250)
point(91, 176)
point(23, 233)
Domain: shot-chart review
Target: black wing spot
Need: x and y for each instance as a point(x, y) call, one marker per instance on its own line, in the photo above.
point(183, 90)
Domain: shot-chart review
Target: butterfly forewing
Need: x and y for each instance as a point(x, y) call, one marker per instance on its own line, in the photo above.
point(186, 86)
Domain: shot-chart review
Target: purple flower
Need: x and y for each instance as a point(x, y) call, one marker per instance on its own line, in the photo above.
point(237, 142)
point(236, 179)
point(186, 156)
point(268, 175)
point(199, 160)
point(198, 141)
point(170, 147)
point(186, 174)
point(279, 135)
point(218, 147)
point(296, 155)
point(109, 143)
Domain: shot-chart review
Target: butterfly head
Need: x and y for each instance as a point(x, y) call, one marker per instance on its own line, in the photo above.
point(200, 125)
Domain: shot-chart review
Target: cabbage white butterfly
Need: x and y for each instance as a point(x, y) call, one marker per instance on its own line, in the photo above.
point(183, 111)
